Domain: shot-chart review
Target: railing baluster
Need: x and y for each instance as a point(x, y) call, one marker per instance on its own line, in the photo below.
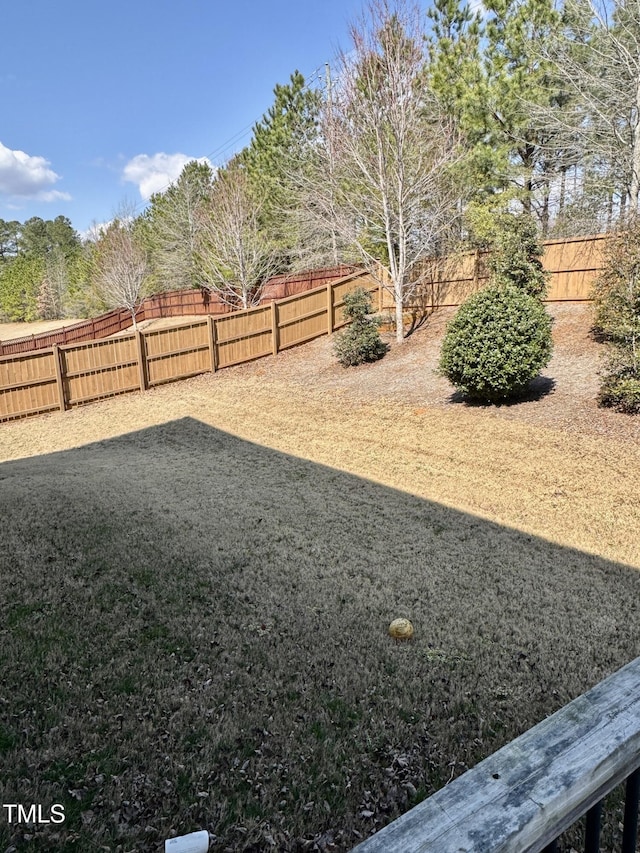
point(630, 832)
point(592, 831)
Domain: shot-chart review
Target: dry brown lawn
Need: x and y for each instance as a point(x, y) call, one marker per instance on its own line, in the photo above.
point(197, 589)
point(21, 330)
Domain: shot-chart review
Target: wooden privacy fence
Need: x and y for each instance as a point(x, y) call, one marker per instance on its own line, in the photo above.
point(572, 263)
point(174, 303)
point(523, 797)
point(61, 377)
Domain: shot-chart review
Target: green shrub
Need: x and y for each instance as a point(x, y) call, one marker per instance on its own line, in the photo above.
point(616, 295)
point(616, 290)
point(360, 341)
point(620, 393)
point(496, 344)
point(516, 254)
point(620, 382)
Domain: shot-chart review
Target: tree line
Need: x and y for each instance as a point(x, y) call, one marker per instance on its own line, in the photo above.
point(426, 131)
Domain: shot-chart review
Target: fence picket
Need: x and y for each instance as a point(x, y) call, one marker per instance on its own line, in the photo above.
point(99, 368)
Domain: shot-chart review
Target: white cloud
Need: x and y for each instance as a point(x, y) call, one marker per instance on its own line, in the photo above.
point(26, 176)
point(93, 232)
point(153, 173)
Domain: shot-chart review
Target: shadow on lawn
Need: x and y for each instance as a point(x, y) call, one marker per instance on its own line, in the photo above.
point(194, 635)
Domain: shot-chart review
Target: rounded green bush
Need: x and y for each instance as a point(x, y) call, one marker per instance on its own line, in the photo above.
point(496, 344)
point(360, 341)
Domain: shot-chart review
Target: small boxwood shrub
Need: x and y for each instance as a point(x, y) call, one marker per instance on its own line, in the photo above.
point(496, 344)
point(360, 341)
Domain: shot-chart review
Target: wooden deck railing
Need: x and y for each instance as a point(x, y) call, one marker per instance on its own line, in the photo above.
point(523, 797)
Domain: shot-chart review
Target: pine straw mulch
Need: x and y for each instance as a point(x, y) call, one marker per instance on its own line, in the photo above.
point(564, 397)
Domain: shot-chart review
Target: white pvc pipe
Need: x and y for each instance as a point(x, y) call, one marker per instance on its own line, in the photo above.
point(195, 842)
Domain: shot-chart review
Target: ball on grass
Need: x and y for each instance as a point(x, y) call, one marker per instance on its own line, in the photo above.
point(401, 629)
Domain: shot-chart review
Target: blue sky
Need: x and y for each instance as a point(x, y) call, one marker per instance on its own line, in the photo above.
point(102, 103)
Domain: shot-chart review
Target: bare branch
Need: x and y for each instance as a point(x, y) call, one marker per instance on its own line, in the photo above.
point(234, 257)
point(381, 181)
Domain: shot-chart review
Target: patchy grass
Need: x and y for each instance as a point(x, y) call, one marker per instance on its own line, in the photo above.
point(193, 625)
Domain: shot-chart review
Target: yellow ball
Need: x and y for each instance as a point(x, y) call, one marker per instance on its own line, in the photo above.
point(401, 629)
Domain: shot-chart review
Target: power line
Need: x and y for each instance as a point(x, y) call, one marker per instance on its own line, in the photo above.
point(233, 140)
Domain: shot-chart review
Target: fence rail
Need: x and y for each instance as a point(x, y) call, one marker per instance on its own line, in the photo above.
point(572, 265)
point(523, 797)
point(175, 303)
point(68, 375)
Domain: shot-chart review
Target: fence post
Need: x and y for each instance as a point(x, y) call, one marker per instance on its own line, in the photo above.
point(213, 343)
point(274, 327)
point(57, 360)
point(142, 374)
point(329, 309)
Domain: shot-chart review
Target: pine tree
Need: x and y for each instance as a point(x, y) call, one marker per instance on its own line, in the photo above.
point(276, 152)
point(169, 228)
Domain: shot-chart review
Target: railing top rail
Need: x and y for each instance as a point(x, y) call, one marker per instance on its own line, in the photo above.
point(297, 296)
point(525, 795)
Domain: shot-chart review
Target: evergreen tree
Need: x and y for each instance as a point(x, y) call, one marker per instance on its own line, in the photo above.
point(20, 282)
point(457, 76)
point(170, 228)
point(516, 77)
point(8, 240)
point(278, 149)
point(40, 238)
point(516, 255)
point(360, 342)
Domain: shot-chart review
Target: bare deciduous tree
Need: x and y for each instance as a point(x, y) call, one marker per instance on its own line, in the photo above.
point(121, 267)
point(596, 54)
point(382, 184)
point(234, 256)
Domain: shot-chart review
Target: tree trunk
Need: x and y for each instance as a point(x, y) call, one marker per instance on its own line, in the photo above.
point(544, 216)
point(563, 181)
point(634, 190)
point(398, 294)
point(609, 211)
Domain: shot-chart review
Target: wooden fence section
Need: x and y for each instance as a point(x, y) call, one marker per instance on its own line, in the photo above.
point(572, 263)
point(98, 327)
point(281, 286)
point(72, 374)
point(523, 797)
point(175, 303)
